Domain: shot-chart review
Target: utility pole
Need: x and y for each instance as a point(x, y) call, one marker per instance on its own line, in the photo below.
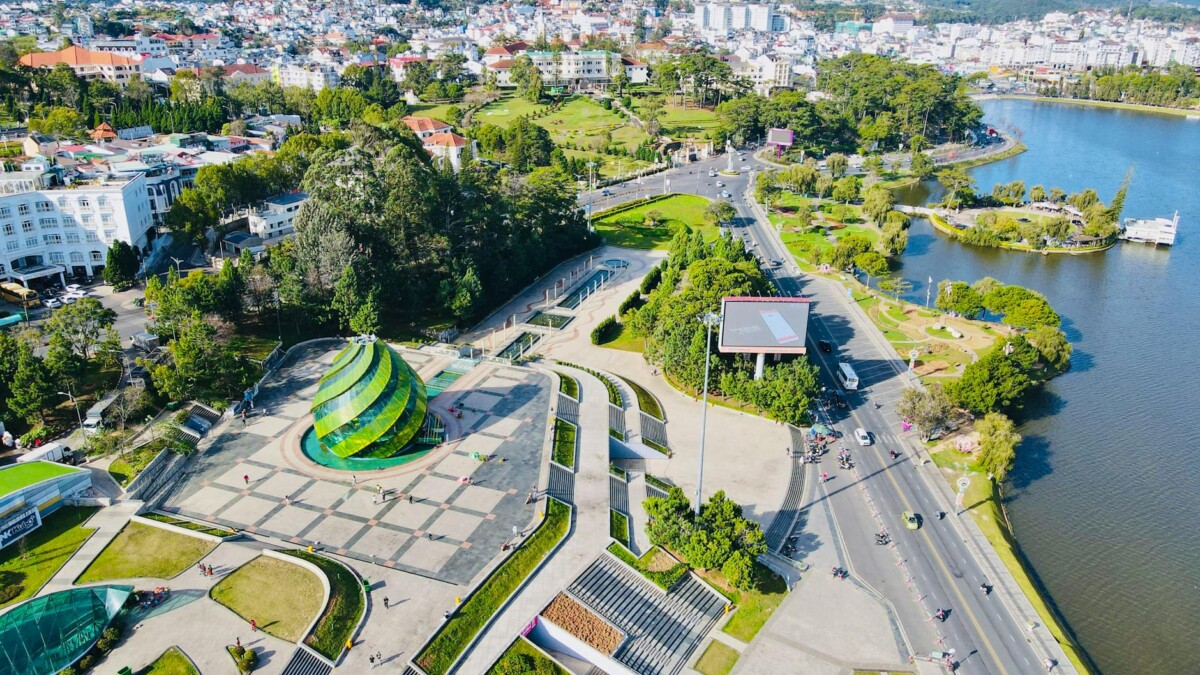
point(709, 320)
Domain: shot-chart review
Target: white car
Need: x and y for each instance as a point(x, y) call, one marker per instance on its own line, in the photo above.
point(720, 184)
point(53, 303)
point(745, 167)
point(862, 436)
point(73, 288)
point(712, 174)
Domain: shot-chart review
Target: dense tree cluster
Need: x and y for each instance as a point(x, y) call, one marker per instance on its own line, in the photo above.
point(720, 538)
point(695, 277)
point(878, 103)
point(1178, 87)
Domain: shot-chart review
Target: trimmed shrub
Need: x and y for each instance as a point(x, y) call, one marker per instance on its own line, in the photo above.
point(105, 645)
point(652, 279)
point(634, 301)
point(606, 330)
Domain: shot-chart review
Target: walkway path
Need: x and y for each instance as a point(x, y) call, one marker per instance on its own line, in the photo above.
point(108, 521)
point(585, 541)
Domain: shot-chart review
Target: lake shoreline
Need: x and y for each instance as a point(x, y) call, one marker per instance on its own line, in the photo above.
point(942, 226)
point(1111, 105)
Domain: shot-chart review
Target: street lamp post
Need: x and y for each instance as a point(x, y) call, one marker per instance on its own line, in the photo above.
point(177, 262)
point(75, 403)
point(709, 320)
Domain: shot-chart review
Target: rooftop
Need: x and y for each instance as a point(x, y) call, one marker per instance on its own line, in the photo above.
point(74, 56)
point(22, 475)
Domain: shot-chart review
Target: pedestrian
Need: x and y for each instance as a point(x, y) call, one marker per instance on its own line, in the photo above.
point(354, 480)
point(379, 657)
point(445, 615)
point(239, 641)
point(243, 417)
point(287, 500)
point(253, 626)
point(410, 498)
point(385, 602)
point(379, 488)
point(374, 499)
point(371, 658)
point(201, 565)
point(246, 479)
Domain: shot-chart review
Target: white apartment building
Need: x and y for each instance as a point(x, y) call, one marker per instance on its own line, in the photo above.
point(574, 69)
point(893, 24)
point(135, 47)
point(48, 229)
point(764, 72)
point(277, 217)
point(724, 17)
point(315, 77)
point(88, 65)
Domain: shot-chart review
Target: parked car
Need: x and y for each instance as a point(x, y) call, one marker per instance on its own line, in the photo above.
point(73, 288)
point(839, 399)
point(825, 346)
point(862, 436)
point(52, 303)
point(69, 298)
point(720, 184)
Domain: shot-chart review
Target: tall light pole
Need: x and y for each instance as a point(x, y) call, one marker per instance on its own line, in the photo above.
point(177, 262)
point(75, 403)
point(709, 320)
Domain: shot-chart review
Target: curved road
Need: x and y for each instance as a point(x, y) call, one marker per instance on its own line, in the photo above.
point(924, 570)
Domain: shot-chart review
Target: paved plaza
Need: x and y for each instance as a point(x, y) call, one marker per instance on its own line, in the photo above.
point(444, 515)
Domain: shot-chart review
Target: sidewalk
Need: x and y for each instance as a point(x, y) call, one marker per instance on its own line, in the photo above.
point(584, 542)
point(108, 521)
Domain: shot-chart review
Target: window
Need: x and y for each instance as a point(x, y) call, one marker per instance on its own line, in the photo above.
point(31, 241)
point(97, 256)
point(45, 207)
point(102, 201)
point(109, 235)
point(76, 257)
point(27, 226)
point(22, 209)
point(72, 237)
point(47, 223)
point(85, 203)
point(87, 218)
point(62, 202)
point(12, 244)
point(51, 239)
point(57, 257)
point(91, 236)
point(106, 218)
point(9, 229)
point(5, 212)
point(69, 221)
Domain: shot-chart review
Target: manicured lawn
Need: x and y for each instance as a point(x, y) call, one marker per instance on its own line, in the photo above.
point(462, 626)
point(682, 123)
point(583, 123)
point(125, 469)
point(646, 400)
point(568, 385)
point(17, 476)
point(811, 243)
point(564, 443)
point(172, 662)
point(628, 228)
point(145, 551)
point(983, 501)
point(718, 659)
point(253, 347)
point(438, 111)
point(47, 548)
point(345, 608)
point(189, 525)
point(282, 597)
point(625, 340)
point(755, 606)
point(522, 658)
point(618, 527)
point(503, 111)
point(609, 166)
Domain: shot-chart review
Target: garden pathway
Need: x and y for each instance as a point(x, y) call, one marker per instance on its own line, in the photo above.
point(108, 521)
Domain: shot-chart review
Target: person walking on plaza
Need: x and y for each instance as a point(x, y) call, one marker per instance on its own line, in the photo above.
point(385, 602)
point(371, 658)
point(253, 626)
point(246, 479)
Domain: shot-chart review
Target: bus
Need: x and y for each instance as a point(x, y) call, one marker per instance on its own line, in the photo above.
point(847, 376)
point(18, 294)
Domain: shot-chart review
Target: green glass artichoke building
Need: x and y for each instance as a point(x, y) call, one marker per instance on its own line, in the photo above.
point(370, 404)
point(48, 633)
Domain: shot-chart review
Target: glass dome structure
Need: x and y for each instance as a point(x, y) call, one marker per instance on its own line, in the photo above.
point(49, 633)
point(370, 403)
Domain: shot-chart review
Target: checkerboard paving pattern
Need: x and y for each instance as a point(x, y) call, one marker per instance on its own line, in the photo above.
point(448, 531)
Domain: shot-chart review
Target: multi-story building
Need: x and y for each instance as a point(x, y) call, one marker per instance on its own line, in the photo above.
point(134, 47)
point(51, 226)
point(315, 76)
point(277, 216)
point(88, 65)
point(424, 127)
point(764, 72)
point(724, 17)
point(574, 69)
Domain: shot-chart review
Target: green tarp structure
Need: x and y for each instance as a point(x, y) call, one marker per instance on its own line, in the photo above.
point(46, 634)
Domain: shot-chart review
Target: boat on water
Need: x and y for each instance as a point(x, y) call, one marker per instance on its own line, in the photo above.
point(1152, 231)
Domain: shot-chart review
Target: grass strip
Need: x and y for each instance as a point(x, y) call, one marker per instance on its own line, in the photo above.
point(656, 446)
point(189, 525)
point(618, 527)
point(646, 401)
point(456, 633)
point(568, 385)
point(618, 471)
point(664, 579)
point(614, 394)
point(718, 659)
point(522, 658)
point(754, 606)
point(659, 483)
point(282, 597)
point(171, 662)
point(564, 443)
point(145, 551)
point(25, 568)
point(342, 613)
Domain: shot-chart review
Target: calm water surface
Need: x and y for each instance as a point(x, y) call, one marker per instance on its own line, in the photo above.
point(1105, 496)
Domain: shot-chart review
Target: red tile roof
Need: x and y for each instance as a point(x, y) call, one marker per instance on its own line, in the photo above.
point(447, 139)
point(419, 124)
point(74, 56)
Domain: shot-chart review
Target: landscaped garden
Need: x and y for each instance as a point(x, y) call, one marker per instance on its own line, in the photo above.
point(342, 613)
point(682, 123)
point(646, 401)
point(522, 658)
point(581, 123)
point(652, 224)
point(503, 111)
point(754, 606)
point(130, 463)
point(568, 385)
point(145, 551)
point(26, 566)
point(656, 565)
point(282, 597)
point(189, 524)
point(172, 662)
point(618, 527)
point(457, 632)
point(566, 613)
point(564, 443)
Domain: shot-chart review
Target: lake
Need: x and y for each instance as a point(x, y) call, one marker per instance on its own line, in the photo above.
point(1104, 497)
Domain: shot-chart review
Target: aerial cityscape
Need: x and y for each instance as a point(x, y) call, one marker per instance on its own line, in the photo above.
point(572, 337)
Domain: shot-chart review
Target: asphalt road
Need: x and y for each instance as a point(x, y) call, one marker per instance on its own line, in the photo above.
point(924, 570)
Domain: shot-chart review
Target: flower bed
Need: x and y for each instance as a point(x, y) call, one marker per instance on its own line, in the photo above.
point(583, 623)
